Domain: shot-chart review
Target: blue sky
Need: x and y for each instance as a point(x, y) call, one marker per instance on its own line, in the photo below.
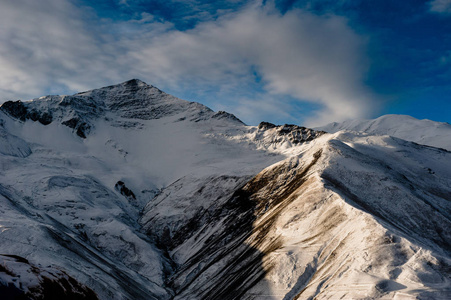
point(287, 61)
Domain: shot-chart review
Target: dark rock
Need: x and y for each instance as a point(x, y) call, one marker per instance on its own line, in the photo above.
point(220, 115)
point(134, 82)
point(81, 127)
point(43, 117)
point(18, 110)
point(121, 188)
point(53, 283)
point(294, 133)
point(266, 125)
point(15, 109)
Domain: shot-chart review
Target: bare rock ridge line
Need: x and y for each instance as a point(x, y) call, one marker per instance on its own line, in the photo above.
point(126, 192)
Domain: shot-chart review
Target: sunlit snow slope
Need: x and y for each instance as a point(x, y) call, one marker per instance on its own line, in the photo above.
point(425, 132)
point(126, 192)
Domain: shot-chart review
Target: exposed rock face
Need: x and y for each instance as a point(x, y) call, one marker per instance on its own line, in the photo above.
point(73, 112)
point(78, 125)
point(121, 188)
point(225, 115)
point(287, 135)
point(15, 109)
point(28, 281)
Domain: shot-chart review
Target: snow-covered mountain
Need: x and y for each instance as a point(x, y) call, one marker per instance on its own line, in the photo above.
point(425, 132)
point(126, 192)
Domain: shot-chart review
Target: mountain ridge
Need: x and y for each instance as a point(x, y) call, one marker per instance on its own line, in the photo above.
point(132, 99)
point(180, 202)
point(426, 132)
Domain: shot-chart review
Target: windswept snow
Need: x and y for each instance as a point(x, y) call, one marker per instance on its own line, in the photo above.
point(425, 132)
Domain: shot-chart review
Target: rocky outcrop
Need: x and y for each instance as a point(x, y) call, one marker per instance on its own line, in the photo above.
point(126, 192)
point(19, 279)
point(283, 136)
point(18, 110)
point(223, 115)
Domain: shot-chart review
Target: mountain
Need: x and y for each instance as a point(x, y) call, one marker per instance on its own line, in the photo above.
point(425, 132)
point(126, 192)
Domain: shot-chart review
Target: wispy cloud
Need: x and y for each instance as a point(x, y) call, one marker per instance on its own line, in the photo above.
point(440, 6)
point(317, 59)
point(49, 45)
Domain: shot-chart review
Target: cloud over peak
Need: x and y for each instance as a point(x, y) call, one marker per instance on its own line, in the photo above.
point(310, 58)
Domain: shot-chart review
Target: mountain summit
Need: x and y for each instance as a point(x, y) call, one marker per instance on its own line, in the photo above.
point(126, 192)
point(133, 99)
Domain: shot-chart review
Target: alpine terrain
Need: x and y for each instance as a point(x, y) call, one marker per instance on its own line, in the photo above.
point(126, 192)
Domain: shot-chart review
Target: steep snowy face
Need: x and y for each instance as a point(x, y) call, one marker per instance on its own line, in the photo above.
point(133, 99)
point(425, 132)
point(13, 145)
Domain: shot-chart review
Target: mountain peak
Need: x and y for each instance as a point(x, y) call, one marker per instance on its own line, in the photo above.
point(134, 82)
point(132, 99)
point(130, 86)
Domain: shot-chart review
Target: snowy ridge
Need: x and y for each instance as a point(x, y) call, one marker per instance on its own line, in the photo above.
point(161, 198)
point(133, 99)
point(425, 132)
point(310, 229)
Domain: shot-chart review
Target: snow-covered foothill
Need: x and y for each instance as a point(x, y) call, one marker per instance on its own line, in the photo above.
point(425, 132)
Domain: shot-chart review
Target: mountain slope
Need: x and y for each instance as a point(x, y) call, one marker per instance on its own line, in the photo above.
point(425, 132)
point(65, 192)
point(161, 198)
point(306, 227)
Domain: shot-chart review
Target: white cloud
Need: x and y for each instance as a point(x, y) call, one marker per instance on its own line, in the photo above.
point(440, 6)
point(318, 59)
point(46, 44)
point(311, 58)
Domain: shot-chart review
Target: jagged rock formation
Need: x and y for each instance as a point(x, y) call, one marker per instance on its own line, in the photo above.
point(292, 133)
point(126, 192)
